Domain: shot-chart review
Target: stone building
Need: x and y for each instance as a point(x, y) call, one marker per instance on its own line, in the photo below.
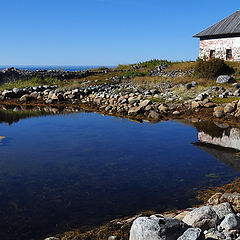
point(221, 40)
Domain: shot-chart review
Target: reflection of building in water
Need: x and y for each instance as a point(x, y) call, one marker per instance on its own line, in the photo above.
point(230, 138)
point(221, 142)
point(227, 156)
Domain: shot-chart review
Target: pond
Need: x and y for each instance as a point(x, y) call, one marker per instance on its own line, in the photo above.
point(71, 170)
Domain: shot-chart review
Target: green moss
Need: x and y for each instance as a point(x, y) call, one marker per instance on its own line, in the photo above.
point(159, 100)
point(225, 100)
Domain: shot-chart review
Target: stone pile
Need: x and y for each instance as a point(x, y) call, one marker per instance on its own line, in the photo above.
point(219, 219)
point(106, 97)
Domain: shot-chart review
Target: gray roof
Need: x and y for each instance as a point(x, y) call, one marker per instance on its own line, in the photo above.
point(228, 26)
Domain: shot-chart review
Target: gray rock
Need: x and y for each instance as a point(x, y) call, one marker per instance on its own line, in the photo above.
point(215, 199)
point(218, 112)
point(176, 113)
point(223, 209)
point(204, 217)
point(233, 198)
point(214, 235)
point(225, 79)
point(189, 85)
point(112, 237)
point(26, 98)
point(134, 110)
point(196, 104)
point(237, 93)
point(145, 103)
point(231, 221)
point(191, 234)
point(229, 108)
point(153, 115)
point(9, 94)
point(199, 97)
point(145, 228)
point(131, 100)
point(52, 238)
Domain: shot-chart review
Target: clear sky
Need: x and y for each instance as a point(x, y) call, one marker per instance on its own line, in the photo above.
point(104, 32)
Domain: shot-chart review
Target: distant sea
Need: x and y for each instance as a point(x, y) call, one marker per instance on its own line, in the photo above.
point(54, 67)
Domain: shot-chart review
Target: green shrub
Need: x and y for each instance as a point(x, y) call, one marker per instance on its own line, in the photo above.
point(135, 74)
point(154, 63)
point(212, 68)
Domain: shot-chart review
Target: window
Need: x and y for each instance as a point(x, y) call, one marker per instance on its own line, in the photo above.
point(229, 54)
point(212, 54)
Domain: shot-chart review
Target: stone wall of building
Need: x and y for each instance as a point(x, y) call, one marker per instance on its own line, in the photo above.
point(220, 46)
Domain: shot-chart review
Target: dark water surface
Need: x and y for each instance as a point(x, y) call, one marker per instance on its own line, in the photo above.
point(59, 172)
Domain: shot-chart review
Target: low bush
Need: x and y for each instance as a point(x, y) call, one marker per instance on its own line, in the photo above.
point(151, 64)
point(212, 68)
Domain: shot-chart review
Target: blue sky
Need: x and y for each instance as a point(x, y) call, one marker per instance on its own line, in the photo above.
point(104, 32)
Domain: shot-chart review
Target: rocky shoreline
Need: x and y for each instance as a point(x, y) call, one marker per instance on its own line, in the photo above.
point(124, 100)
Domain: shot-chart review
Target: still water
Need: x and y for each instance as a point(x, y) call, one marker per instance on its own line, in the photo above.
point(59, 172)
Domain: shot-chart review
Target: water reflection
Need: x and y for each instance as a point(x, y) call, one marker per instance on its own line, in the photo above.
point(10, 114)
point(220, 141)
point(218, 134)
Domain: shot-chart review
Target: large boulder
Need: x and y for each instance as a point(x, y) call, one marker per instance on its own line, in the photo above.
point(204, 217)
point(225, 79)
point(147, 228)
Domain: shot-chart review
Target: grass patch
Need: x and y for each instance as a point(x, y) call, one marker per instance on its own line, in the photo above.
point(30, 83)
point(181, 66)
point(151, 64)
point(225, 100)
point(158, 100)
